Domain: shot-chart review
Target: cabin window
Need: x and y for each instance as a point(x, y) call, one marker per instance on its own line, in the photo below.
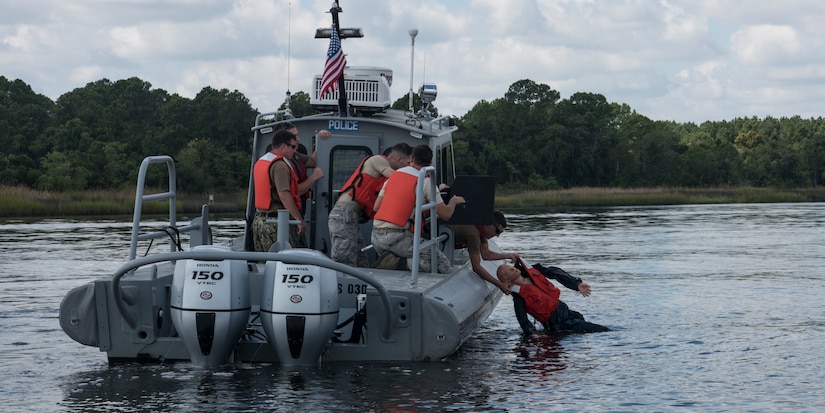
point(445, 164)
point(343, 162)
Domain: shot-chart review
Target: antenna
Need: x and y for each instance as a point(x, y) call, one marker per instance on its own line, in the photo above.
point(288, 55)
point(424, 70)
point(412, 32)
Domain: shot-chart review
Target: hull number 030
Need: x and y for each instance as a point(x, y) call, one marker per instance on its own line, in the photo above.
point(353, 288)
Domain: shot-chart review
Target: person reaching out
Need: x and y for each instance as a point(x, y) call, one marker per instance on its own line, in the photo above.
point(478, 248)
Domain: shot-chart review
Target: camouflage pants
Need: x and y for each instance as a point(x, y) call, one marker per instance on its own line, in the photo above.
point(265, 234)
point(400, 243)
point(345, 236)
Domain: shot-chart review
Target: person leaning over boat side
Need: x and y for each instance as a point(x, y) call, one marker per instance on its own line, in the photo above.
point(356, 201)
point(537, 296)
point(396, 207)
point(475, 238)
point(276, 187)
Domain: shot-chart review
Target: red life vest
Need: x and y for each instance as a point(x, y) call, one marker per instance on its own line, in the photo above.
point(364, 188)
point(540, 299)
point(264, 189)
point(399, 197)
point(301, 173)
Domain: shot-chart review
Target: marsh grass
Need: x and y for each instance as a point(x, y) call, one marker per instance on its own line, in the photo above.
point(586, 197)
point(26, 202)
point(18, 201)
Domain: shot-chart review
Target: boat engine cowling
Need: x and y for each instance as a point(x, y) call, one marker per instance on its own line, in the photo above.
point(210, 306)
point(299, 308)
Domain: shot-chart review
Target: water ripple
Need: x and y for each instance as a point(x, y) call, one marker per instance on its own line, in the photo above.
point(713, 308)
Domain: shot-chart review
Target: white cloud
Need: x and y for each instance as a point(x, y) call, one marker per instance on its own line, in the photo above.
point(680, 26)
point(86, 74)
point(765, 44)
point(668, 59)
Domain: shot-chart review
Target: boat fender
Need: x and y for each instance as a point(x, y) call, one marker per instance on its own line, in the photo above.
point(78, 315)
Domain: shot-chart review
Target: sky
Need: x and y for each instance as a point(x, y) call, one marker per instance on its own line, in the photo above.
point(679, 60)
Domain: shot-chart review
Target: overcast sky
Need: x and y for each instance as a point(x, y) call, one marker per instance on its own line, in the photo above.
point(682, 60)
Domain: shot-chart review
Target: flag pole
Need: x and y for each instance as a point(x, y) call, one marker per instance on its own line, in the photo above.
point(342, 92)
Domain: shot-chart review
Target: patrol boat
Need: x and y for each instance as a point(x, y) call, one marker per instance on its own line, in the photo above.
point(217, 304)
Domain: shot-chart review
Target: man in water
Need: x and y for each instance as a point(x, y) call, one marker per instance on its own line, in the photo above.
point(534, 294)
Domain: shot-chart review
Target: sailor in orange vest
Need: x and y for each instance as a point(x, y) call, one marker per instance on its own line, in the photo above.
point(396, 207)
point(356, 201)
point(537, 296)
point(276, 187)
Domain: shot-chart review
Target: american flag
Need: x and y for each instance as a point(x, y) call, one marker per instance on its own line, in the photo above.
point(334, 66)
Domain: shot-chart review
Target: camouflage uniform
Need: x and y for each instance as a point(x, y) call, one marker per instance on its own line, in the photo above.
point(345, 235)
point(265, 234)
point(401, 242)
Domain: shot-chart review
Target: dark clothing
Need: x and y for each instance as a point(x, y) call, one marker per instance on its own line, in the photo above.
point(563, 319)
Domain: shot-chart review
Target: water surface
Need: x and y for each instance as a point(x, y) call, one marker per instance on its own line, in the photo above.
point(713, 308)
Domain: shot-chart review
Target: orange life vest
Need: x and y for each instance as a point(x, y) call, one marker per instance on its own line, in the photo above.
point(540, 299)
point(399, 197)
point(364, 188)
point(264, 189)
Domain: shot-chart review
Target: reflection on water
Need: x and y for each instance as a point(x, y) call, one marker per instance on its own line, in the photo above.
point(713, 308)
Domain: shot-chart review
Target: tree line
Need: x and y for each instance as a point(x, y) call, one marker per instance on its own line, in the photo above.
point(94, 137)
point(530, 138)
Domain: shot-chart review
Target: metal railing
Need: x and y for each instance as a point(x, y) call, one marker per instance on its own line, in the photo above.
point(420, 207)
point(199, 226)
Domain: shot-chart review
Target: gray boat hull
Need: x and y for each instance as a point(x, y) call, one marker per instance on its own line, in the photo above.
point(429, 320)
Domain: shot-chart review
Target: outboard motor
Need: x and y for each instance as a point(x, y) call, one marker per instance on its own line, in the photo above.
point(299, 308)
point(210, 306)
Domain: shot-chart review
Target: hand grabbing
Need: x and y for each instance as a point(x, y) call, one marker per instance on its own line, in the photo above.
point(457, 200)
point(323, 134)
point(317, 174)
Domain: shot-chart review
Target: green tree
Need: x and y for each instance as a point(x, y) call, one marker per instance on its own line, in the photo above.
point(96, 135)
point(225, 118)
point(699, 162)
point(509, 139)
point(527, 108)
point(110, 164)
point(298, 104)
point(812, 158)
point(646, 152)
point(588, 120)
point(24, 115)
point(59, 173)
point(403, 103)
point(204, 167)
point(477, 149)
point(177, 125)
point(18, 170)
